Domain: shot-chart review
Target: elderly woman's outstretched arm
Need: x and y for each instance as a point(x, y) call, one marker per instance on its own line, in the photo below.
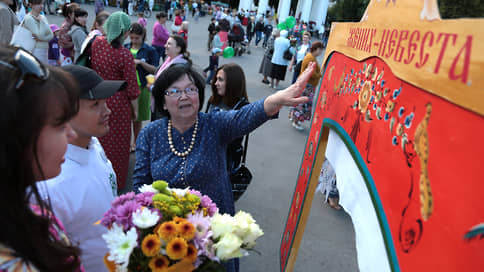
point(290, 96)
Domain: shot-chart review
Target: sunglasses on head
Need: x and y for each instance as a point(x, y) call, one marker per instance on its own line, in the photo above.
point(27, 65)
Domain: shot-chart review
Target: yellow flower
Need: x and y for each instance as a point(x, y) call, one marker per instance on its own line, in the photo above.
point(167, 231)
point(159, 263)
point(179, 220)
point(151, 245)
point(192, 253)
point(177, 248)
point(186, 230)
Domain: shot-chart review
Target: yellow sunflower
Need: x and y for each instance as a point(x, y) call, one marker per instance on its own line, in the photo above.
point(151, 245)
point(192, 253)
point(167, 231)
point(177, 248)
point(159, 263)
point(186, 230)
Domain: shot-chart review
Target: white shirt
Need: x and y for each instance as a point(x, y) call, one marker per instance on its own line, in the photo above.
point(80, 196)
point(280, 45)
point(303, 49)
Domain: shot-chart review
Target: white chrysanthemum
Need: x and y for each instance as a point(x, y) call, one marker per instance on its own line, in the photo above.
point(120, 244)
point(145, 218)
point(222, 224)
point(179, 192)
point(148, 188)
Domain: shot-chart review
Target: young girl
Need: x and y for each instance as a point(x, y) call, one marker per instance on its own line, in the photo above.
point(36, 104)
point(146, 59)
point(78, 31)
point(65, 40)
point(54, 52)
point(183, 32)
point(141, 19)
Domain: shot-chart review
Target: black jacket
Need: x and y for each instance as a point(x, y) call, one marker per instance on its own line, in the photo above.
point(259, 26)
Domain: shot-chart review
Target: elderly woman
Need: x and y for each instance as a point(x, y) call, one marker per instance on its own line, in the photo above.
point(187, 148)
point(266, 64)
point(112, 61)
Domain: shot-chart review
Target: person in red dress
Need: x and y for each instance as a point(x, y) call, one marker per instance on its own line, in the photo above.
point(112, 61)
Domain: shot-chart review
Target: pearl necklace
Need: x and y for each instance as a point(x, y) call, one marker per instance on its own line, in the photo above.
point(192, 143)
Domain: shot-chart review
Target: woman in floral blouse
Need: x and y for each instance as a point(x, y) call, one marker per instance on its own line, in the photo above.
point(112, 61)
point(36, 105)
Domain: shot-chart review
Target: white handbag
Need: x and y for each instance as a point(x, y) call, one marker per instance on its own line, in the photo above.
point(22, 37)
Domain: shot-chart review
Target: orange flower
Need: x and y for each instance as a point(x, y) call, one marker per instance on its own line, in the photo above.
point(186, 230)
point(192, 253)
point(159, 263)
point(167, 231)
point(179, 220)
point(110, 265)
point(151, 245)
point(177, 248)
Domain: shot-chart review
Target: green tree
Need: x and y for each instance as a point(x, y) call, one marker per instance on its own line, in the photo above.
point(346, 10)
point(461, 8)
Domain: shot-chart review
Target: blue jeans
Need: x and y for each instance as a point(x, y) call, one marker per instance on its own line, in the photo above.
point(141, 6)
point(258, 37)
point(211, 73)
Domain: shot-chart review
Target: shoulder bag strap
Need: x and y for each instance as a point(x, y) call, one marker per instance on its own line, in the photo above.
point(246, 144)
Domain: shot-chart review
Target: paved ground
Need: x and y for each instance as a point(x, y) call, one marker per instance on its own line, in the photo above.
point(274, 156)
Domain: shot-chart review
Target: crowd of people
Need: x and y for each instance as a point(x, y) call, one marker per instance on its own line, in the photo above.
point(74, 105)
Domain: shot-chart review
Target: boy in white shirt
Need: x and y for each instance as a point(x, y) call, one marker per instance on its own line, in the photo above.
point(86, 186)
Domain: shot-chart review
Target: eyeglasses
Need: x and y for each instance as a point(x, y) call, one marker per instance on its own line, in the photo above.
point(28, 65)
point(190, 91)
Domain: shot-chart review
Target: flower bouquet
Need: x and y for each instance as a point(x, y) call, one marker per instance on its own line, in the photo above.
point(164, 229)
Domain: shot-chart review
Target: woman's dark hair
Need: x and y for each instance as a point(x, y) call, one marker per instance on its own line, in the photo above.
point(68, 9)
point(180, 42)
point(161, 15)
point(35, 2)
point(24, 112)
point(79, 13)
point(316, 45)
point(235, 87)
point(224, 25)
point(138, 29)
point(118, 42)
point(101, 17)
point(170, 76)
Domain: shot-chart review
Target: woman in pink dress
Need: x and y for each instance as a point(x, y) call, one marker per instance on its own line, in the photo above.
point(112, 61)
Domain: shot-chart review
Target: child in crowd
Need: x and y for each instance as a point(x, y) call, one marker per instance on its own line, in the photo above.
point(213, 64)
point(141, 19)
point(86, 186)
point(54, 53)
point(183, 32)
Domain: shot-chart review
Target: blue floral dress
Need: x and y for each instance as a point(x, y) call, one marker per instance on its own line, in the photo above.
point(205, 167)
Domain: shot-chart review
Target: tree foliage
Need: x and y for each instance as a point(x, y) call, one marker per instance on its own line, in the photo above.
point(352, 10)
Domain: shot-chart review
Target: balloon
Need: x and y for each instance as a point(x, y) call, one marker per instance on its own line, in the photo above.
point(281, 26)
point(290, 22)
point(228, 52)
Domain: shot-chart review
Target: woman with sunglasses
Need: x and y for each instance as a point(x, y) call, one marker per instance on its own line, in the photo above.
point(112, 61)
point(188, 148)
point(36, 104)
